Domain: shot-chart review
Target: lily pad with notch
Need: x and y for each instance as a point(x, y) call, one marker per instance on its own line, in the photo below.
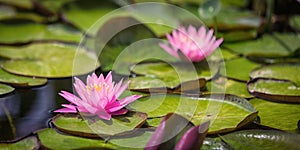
point(49, 60)
point(225, 113)
point(51, 139)
point(279, 45)
point(286, 115)
point(98, 128)
point(178, 76)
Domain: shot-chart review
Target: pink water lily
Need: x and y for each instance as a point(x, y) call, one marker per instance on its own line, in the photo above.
point(194, 45)
point(98, 97)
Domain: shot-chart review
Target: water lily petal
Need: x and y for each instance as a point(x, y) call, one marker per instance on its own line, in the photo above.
point(65, 110)
point(70, 97)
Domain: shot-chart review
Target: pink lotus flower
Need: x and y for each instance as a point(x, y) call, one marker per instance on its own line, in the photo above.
point(98, 97)
point(194, 45)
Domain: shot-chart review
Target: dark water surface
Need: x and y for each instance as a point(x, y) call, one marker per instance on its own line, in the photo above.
point(30, 108)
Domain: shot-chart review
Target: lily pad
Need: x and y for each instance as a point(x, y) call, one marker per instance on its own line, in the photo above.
point(16, 80)
point(48, 60)
point(120, 58)
point(279, 45)
point(86, 127)
point(25, 32)
point(286, 115)
point(84, 15)
point(27, 143)
point(232, 18)
point(228, 86)
point(25, 4)
point(173, 74)
point(50, 139)
point(275, 90)
point(295, 22)
point(238, 69)
point(262, 139)
point(284, 71)
point(5, 89)
point(225, 114)
point(137, 140)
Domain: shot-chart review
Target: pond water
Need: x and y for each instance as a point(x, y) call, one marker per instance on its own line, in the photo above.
point(30, 108)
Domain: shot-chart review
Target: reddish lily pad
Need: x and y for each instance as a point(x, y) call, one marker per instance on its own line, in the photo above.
point(96, 127)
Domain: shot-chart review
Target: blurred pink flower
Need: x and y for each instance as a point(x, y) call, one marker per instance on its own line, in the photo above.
point(194, 45)
point(98, 97)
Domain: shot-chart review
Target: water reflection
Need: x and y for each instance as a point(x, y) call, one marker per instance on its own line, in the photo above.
point(30, 108)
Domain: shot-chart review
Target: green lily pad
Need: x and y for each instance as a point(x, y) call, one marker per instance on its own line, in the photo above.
point(262, 140)
point(284, 71)
point(8, 13)
point(228, 86)
point(238, 36)
point(232, 18)
point(84, 15)
point(120, 58)
point(12, 79)
point(295, 21)
point(27, 143)
point(238, 69)
point(277, 115)
point(173, 74)
point(29, 31)
point(5, 89)
point(275, 90)
point(48, 60)
point(118, 125)
point(25, 4)
point(221, 55)
point(52, 7)
point(153, 122)
point(50, 139)
point(279, 45)
point(138, 140)
point(226, 114)
point(210, 9)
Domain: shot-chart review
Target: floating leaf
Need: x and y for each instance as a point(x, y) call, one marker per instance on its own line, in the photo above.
point(99, 128)
point(84, 15)
point(209, 9)
point(172, 74)
point(137, 140)
point(262, 139)
point(50, 139)
point(284, 71)
point(5, 89)
point(48, 60)
point(27, 143)
point(232, 18)
point(25, 4)
point(228, 86)
point(238, 36)
point(277, 115)
point(238, 69)
point(279, 45)
point(275, 90)
point(9, 78)
point(25, 32)
point(214, 143)
point(225, 114)
point(295, 22)
point(51, 7)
